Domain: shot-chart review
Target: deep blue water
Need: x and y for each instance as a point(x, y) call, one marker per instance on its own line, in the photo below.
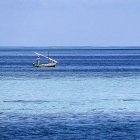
point(92, 93)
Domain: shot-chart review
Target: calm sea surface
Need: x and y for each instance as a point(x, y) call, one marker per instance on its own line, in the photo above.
point(92, 94)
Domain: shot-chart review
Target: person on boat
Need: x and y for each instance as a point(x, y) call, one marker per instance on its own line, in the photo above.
point(38, 60)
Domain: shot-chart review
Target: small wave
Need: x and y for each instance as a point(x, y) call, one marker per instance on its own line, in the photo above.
point(27, 101)
point(131, 100)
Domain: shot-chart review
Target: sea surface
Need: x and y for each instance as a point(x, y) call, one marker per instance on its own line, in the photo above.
point(92, 94)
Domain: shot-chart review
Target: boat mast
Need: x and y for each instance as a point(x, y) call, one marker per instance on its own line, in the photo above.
point(48, 56)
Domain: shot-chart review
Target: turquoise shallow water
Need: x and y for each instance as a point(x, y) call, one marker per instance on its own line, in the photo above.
point(71, 95)
point(78, 99)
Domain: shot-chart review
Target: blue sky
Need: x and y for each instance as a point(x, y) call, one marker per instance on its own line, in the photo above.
point(70, 23)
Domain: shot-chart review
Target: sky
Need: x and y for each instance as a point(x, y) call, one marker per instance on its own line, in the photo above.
point(69, 22)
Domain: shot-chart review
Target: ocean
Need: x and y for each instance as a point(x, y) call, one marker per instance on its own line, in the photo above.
point(93, 93)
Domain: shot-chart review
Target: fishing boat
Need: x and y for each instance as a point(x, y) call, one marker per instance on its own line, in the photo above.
point(51, 62)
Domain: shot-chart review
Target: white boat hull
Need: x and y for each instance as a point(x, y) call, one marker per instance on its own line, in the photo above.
point(45, 65)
